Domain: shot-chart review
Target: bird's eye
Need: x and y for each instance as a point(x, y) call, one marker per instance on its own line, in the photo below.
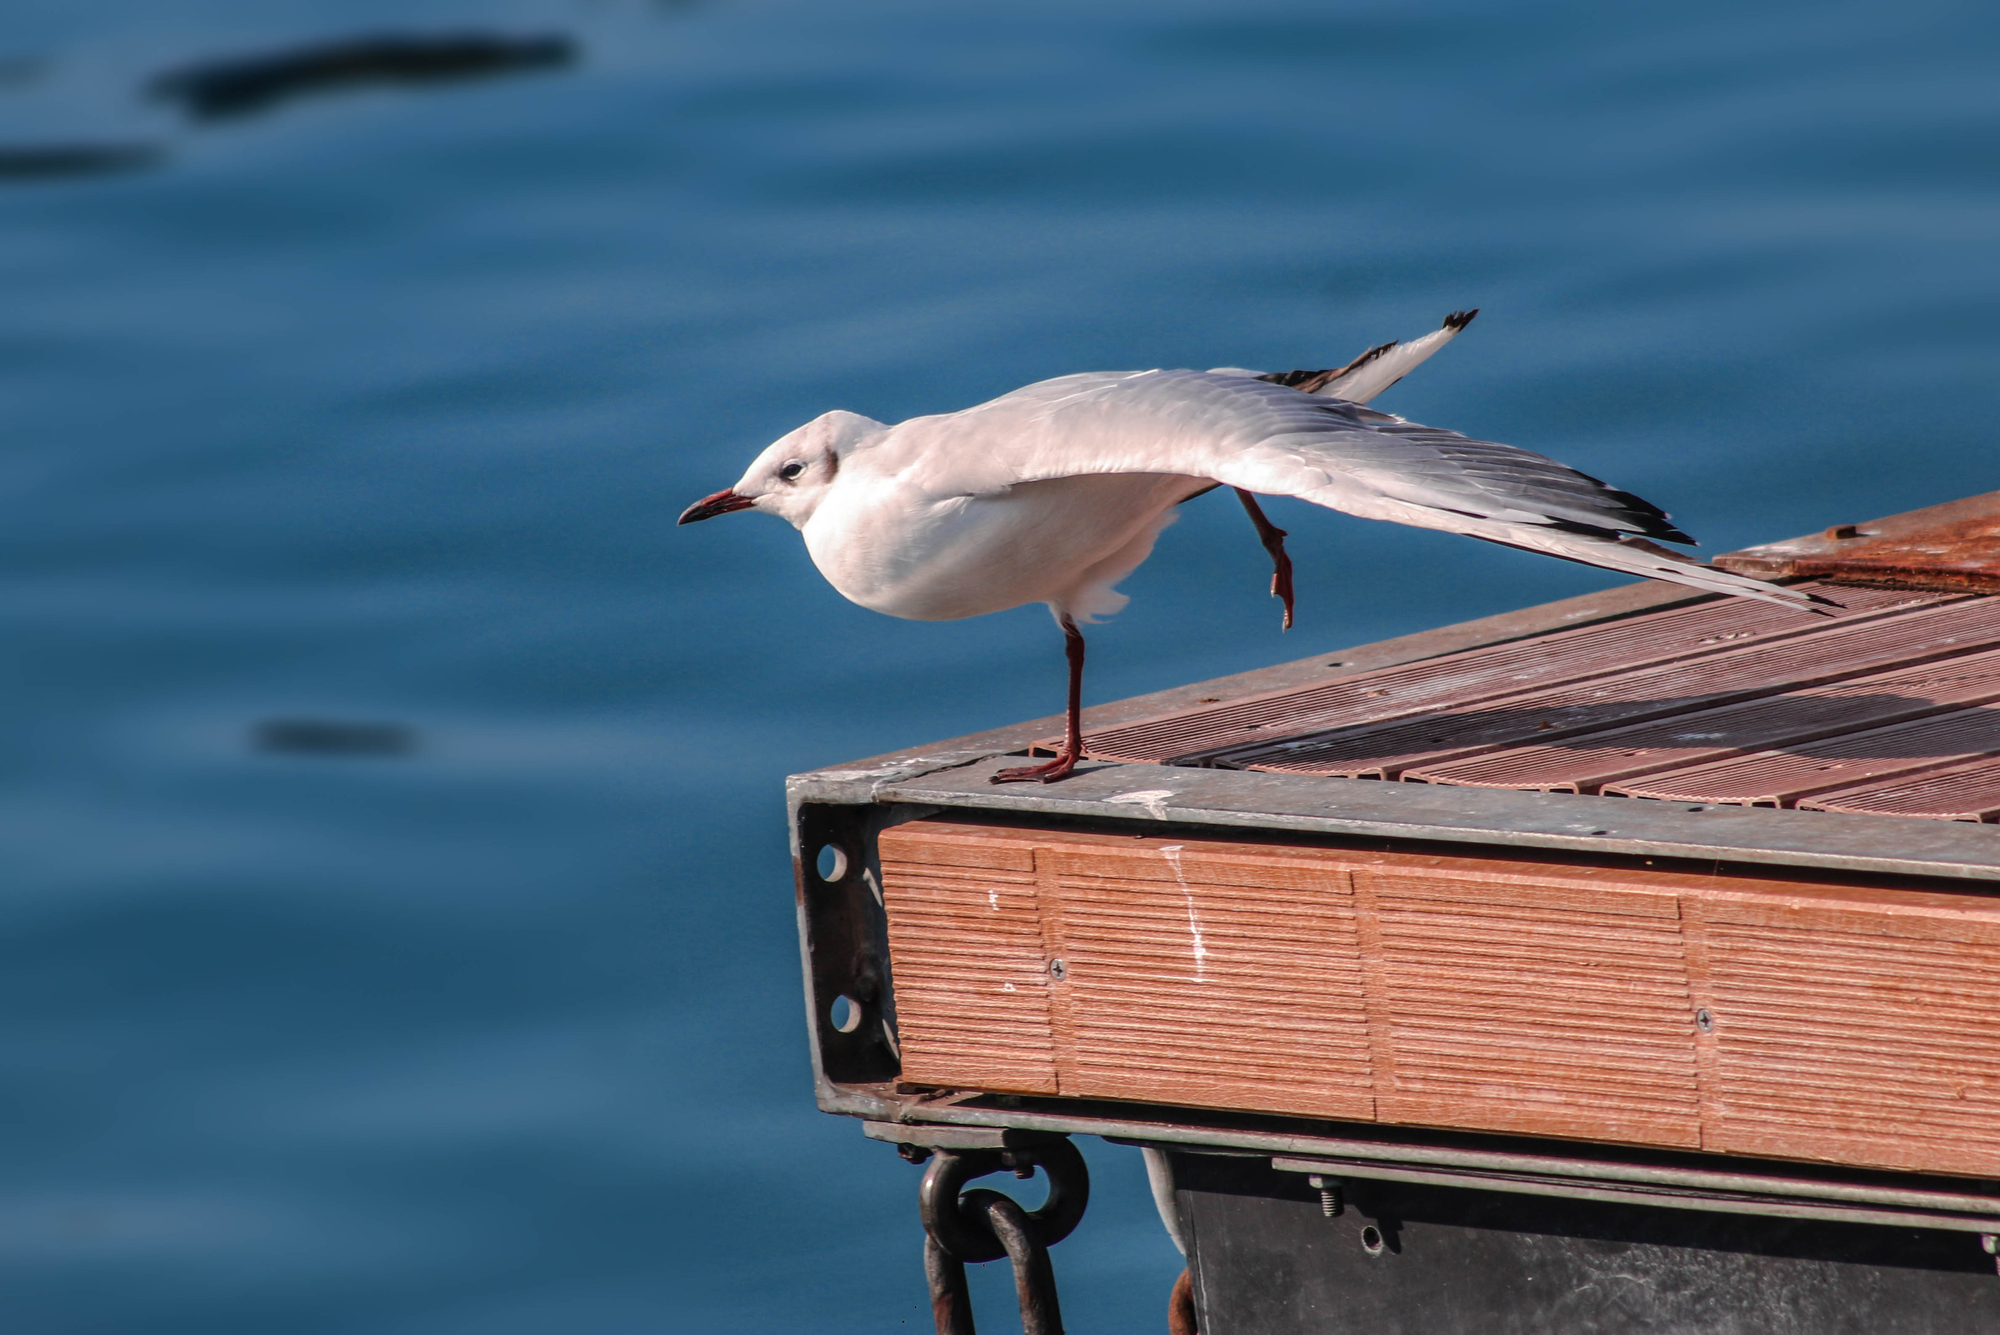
point(790, 472)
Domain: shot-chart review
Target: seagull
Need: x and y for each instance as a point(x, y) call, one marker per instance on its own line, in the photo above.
point(1057, 491)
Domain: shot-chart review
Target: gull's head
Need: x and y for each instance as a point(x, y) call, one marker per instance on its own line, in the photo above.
point(792, 477)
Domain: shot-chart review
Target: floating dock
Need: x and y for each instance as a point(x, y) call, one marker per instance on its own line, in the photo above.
point(1628, 963)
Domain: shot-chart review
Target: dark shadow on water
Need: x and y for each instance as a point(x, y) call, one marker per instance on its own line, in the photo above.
point(41, 162)
point(20, 71)
point(239, 85)
point(330, 737)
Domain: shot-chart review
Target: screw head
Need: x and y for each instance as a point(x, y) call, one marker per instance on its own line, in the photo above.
point(1704, 1021)
point(1058, 970)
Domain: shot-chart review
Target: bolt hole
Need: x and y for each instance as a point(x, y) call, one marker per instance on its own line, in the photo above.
point(845, 1014)
point(832, 863)
point(1371, 1240)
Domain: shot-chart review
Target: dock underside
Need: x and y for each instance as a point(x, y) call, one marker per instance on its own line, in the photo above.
point(1413, 1259)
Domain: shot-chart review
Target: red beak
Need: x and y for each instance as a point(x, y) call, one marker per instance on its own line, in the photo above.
point(708, 507)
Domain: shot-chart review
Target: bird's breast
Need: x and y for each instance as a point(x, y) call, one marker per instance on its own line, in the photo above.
point(895, 550)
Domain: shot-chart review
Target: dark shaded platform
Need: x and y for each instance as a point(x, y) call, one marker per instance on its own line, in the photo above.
point(1444, 1261)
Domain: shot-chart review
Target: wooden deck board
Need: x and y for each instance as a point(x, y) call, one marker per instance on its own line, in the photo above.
point(1848, 1024)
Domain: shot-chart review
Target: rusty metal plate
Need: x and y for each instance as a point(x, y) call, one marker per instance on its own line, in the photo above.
point(1586, 763)
point(1838, 650)
point(1959, 792)
point(1692, 631)
point(1783, 778)
point(1955, 546)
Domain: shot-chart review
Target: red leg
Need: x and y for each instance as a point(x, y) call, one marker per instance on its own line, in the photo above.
point(1072, 747)
point(1273, 539)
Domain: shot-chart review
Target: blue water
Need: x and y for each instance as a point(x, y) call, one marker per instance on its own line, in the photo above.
point(379, 407)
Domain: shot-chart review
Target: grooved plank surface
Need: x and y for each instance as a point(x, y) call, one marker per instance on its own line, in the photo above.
point(1962, 792)
point(1585, 764)
point(1842, 649)
point(1196, 971)
point(1858, 1035)
point(1781, 778)
point(1478, 674)
point(1607, 708)
point(1523, 1002)
point(965, 944)
point(1848, 1024)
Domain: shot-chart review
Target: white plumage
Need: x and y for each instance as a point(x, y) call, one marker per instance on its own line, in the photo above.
point(1055, 492)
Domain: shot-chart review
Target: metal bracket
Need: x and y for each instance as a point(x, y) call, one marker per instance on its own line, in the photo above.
point(934, 1136)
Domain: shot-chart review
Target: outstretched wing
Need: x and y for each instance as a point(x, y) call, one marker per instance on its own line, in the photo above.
point(1275, 440)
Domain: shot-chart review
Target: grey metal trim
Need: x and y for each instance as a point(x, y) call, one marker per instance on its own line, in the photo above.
point(1639, 1175)
point(1659, 1196)
point(954, 1137)
point(1489, 1166)
point(1243, 800)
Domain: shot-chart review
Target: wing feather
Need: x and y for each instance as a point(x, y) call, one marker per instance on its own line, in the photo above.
point(1275, 440)
point(1376, 369)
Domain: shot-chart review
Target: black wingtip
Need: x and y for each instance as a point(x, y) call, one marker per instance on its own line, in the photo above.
point(1460, 319)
